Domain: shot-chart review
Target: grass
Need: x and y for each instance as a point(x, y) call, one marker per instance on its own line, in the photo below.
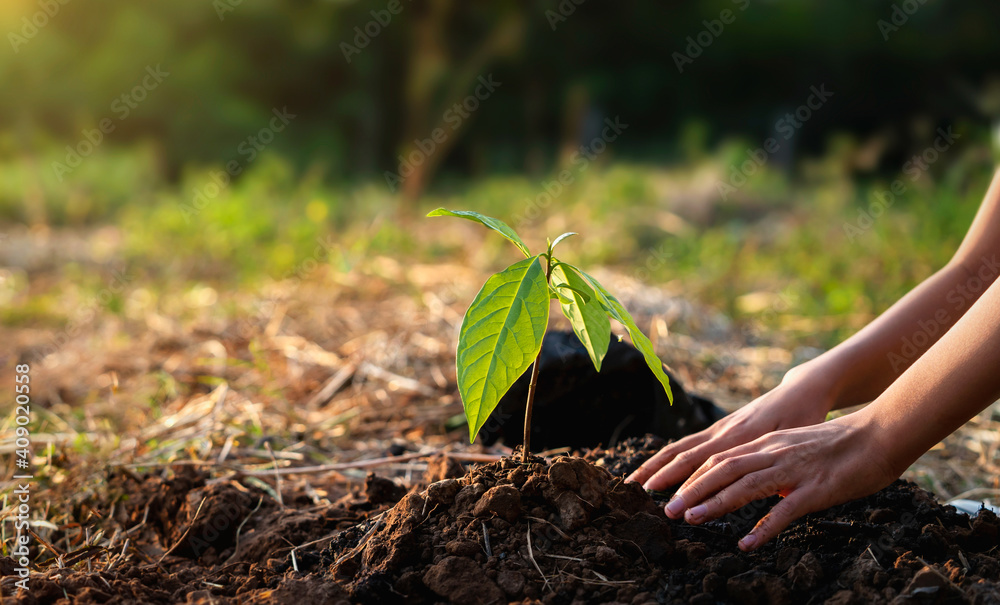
point(775, 246)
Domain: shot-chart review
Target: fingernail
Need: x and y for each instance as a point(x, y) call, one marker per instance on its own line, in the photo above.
point(696, 513)
point(676, 505)
point(748, 542)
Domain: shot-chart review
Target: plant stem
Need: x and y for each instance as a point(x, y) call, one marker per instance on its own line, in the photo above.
point(526, 444)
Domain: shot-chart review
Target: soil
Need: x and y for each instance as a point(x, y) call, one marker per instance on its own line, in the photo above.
point(561, 531)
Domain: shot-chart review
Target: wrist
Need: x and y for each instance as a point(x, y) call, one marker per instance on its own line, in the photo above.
point(884, 446)
point(819, 383)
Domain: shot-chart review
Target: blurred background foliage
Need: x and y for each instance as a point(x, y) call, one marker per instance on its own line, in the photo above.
point(362, 101)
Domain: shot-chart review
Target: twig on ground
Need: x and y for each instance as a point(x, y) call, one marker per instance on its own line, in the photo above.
point(322, 468)
point(226, 447)
point(52, 549)
point(603, 581)
point(331, 386)
point(563, 534)
point(965, 562)
point(874, 557)
point(486, 540)
point(277, 478)
point(318, 540)
point(82, 554)
point(531, 557)
point(554, 452)
point(362, 542)
point(220, 400)
point(563, 557)
point(395, 380)
point(145, 515)
point(114, 561)
point(184, 535)
point(236, 546)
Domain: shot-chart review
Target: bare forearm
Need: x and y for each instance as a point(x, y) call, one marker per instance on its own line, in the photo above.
point(861, 368)
point(957, 378)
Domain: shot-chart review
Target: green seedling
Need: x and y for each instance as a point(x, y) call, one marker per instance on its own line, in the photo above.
point(502, 332)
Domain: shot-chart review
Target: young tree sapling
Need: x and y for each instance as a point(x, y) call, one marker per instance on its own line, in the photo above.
point(502, 332)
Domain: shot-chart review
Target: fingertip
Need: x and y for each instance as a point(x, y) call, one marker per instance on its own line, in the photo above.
point(676, 507)
point(654, 484)
point(633, 478)
point(671, 515)
point(776, 521)
point(646, 469)
point(749, 543)
point(696, 514)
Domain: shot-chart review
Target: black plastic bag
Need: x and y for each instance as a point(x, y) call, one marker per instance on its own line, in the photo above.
point(578, 407)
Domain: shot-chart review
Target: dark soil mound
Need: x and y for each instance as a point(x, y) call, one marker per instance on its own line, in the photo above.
point(568, 531)
point(483, 538)
point(595, 539)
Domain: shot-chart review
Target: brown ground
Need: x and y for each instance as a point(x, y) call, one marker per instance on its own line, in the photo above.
point(559, 531)
point(159, 430)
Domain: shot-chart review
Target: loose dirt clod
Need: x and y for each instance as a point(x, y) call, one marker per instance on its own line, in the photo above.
point(503, 501)
point(461, 581)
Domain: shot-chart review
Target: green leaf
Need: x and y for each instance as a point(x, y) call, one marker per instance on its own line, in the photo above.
point(583, 294)
point(585, 314)
point(493, 223)
point(500, 337)
point(557, 295)
point(553, 245)
point(617, 311)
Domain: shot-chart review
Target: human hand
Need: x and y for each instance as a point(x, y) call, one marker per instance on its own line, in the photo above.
point(812, 468)
point(800, 400)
